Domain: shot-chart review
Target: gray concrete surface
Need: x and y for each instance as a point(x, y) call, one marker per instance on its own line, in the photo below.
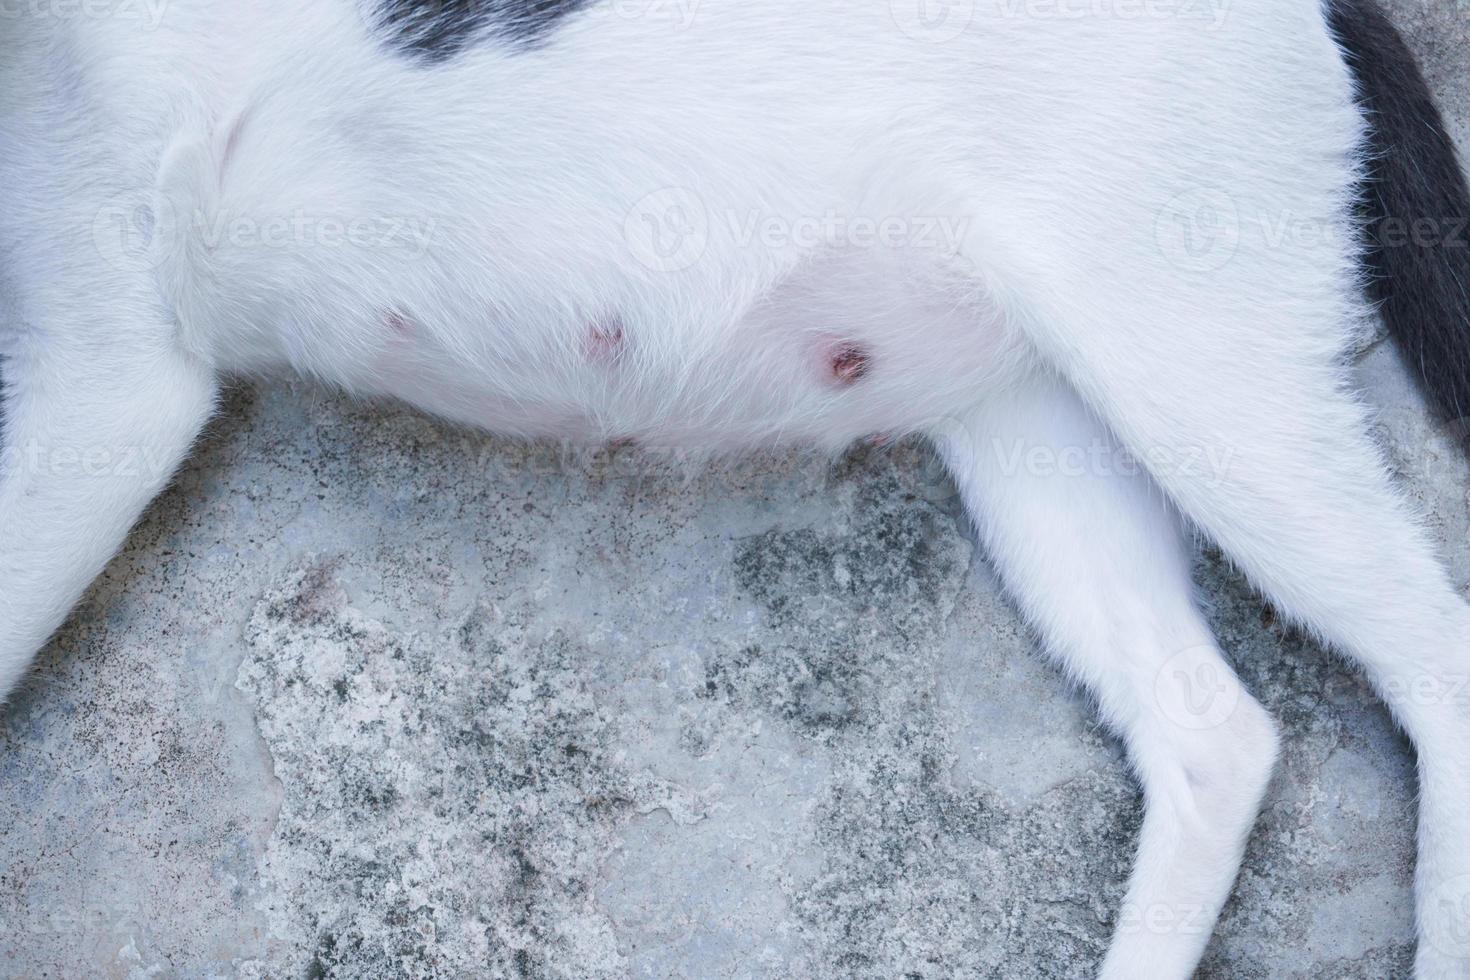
point(368, 696)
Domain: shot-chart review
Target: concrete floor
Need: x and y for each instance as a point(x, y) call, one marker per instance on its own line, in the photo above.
point(367, 696)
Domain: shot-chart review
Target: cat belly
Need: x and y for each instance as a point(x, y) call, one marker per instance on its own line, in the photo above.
point(852, 344)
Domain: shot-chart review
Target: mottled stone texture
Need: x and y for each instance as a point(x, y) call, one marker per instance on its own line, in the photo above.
point(368, 696)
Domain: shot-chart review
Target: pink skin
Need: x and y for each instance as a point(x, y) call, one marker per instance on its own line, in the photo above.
point(845, 362)
point(603, 344)
point(605, 339)
point(399, 324)
point(848, 362)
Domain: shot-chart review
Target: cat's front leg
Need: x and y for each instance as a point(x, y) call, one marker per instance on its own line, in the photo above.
point(1097, 562)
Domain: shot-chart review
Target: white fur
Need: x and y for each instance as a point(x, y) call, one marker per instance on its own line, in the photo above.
point(667, 224)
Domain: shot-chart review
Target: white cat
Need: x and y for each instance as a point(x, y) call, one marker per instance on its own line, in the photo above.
point(717, 225)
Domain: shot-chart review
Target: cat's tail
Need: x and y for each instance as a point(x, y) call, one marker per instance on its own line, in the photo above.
point(1416, 207)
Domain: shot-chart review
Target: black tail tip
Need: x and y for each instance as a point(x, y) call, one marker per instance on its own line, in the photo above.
point(1416, 209)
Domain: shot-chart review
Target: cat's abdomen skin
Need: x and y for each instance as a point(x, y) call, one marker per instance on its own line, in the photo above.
point(832, 354)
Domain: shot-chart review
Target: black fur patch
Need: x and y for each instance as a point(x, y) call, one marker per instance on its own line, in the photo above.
point(1416, 206)
point(436, 30)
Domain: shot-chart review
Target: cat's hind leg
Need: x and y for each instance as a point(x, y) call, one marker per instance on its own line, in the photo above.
point(1097, 561)
point(1225, 384)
